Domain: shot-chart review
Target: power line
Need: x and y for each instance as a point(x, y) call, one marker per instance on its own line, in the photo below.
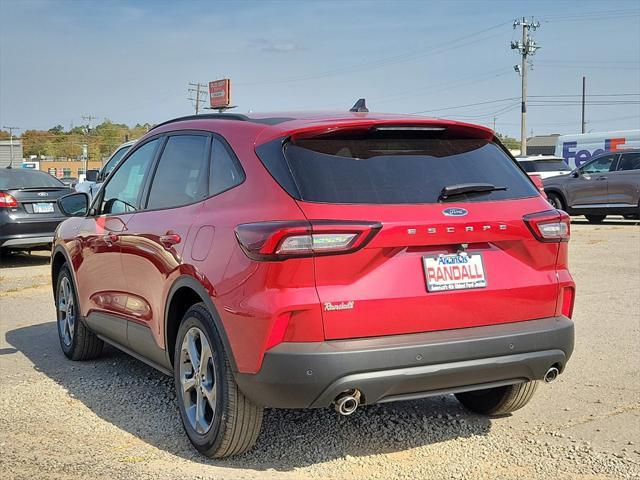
point(474, 79)
point(383, 62)
point(590, 67)
point(617, 14)
point(589, 95)
point(601, 120)
point(507, 99)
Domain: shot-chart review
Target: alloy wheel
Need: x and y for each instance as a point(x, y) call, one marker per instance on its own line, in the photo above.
point(198, 380)
point(66, 311)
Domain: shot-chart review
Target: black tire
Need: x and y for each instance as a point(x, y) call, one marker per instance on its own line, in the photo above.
point(81, 343)
point(595, 218)
point(235, 422)
point(499, 400)
point(556, 201)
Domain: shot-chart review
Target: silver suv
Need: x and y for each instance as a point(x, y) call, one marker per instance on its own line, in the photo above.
point(607, 185)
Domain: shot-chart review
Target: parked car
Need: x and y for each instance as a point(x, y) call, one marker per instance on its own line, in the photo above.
point(544, 166)
point(607, 185)
point(29, 213)
point(95, 178)
point(69, 181)
point(318, 260)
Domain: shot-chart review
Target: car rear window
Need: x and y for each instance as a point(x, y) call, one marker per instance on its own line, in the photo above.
point(15, 179)
point(396, 168)
point(545, 166)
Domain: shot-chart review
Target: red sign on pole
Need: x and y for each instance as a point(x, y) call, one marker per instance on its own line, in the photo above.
point(220, 93)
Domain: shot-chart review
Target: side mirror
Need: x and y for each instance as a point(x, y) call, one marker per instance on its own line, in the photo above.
point(74, 204)
point(575, 173)
point(92, 175)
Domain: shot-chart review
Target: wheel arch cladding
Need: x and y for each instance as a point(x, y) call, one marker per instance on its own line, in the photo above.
point(57, 261)
point(185, 292)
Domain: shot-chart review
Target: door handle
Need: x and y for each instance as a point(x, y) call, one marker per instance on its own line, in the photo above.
point(110, 238)
point(601, 178)
point(170, 239)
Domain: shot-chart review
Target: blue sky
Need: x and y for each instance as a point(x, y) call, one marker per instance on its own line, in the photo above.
point(131, 61)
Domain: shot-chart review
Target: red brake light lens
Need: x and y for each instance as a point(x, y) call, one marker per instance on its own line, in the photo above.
point(550, 226)
point(7, 201)
point(281, 240)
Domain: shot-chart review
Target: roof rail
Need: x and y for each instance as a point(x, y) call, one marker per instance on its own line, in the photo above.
point(206, 116)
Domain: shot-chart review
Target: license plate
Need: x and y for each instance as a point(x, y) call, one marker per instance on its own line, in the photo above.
point(458, 271)
point(43, 208)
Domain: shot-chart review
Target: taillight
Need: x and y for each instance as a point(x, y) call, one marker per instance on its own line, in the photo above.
point(282, 240)
point(549, 226)
point(7, 201)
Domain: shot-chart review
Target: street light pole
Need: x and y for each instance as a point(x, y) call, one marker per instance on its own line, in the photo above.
point(11, 129)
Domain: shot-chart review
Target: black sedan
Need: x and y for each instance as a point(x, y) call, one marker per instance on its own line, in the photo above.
point(29, 211)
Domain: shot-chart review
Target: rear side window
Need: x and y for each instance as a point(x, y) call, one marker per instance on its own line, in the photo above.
point(181, 175)
point(599, 165)
point(400, 168)
point(545, 166)
point(225, 171)
point(629, 161)
point(528, 166)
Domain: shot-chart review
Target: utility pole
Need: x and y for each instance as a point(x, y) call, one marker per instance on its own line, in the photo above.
point(200, 89)
point(88, 118)
point(584, 90)
point(526, 48)
point(11, 129)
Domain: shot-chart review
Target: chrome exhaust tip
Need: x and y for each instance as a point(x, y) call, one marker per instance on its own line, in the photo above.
point(347, 402)
point(551, 375)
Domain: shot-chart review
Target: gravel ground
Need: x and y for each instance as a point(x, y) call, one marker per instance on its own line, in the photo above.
point(116, 418)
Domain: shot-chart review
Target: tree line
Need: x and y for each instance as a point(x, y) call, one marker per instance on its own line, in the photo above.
point(101, 140)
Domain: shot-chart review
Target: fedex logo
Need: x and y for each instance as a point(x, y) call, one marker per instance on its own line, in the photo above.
point(580, 157)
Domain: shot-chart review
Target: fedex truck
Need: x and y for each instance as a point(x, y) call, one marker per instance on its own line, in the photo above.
point(578, 149)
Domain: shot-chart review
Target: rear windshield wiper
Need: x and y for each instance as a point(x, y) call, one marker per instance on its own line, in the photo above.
point(462, 188)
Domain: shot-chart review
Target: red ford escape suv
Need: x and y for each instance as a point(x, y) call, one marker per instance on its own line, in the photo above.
point(315, 260)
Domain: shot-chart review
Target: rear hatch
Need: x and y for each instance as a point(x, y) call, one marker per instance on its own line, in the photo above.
point(38, 203)
point(453, 249)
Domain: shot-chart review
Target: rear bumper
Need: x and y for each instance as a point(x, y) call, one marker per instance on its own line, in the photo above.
point(25, 233)
point(400, 367)
point(25, 241)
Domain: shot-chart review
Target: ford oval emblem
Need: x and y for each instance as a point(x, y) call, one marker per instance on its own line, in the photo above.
point(455, 212)
point(43, 194)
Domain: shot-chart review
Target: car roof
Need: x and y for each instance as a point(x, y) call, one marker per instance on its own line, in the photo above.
point(275, 125)
point(12, 170)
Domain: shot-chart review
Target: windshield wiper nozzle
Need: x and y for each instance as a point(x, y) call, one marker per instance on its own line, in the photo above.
point(462, 188)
